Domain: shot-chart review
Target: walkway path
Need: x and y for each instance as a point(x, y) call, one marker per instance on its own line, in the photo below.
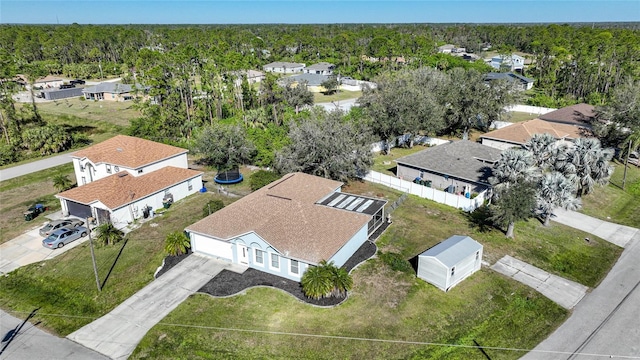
point(605, 322)
point(28, 168)
point(563, 292)
point(118, 333)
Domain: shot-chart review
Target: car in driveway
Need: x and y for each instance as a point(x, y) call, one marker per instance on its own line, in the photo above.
point(63, 236)
point(57, 224)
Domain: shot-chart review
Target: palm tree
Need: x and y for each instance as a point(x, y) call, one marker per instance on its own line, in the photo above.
point(555, 190)
point(316, 282)
point(108, 234)
point(342, 281)
point(176, 243)
point(589, 162)
point(514, 165)
point(541, 147)
point(61, 182)
point(514, 203)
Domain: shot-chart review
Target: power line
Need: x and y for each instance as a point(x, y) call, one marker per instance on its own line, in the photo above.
point(351, 338)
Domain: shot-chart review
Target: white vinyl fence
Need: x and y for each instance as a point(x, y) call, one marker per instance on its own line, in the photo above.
point(422, 140)
point(454, 200)
point(529, 109)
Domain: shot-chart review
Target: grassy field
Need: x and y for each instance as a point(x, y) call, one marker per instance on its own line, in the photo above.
point(386, 304)
point(338, 96)
point(19, 193)
point(386, 164)
point(113, 112)
point(515, 117)
point(614, 204)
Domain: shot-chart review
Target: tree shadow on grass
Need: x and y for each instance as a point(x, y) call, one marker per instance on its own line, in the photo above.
point(480, 219)
point(114, 264)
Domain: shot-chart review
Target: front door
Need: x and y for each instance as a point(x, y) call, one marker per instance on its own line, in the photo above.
point(243, 254)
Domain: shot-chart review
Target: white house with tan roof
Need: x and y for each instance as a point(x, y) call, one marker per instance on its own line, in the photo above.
point(124, 178)
point(289, 225)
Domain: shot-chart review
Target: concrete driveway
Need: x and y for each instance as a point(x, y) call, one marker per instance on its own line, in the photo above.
point(27, 249)
point(118, 333)
point(563, 292)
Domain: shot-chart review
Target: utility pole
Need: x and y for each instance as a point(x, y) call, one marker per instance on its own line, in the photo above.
point(93, 257)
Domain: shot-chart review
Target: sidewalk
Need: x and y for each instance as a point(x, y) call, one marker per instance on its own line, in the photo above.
point(605, 322)
point(117, 333)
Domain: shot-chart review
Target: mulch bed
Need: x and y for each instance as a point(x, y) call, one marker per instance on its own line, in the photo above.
point(228, 283)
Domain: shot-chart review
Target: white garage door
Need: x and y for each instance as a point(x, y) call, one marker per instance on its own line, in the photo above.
point(207, 246)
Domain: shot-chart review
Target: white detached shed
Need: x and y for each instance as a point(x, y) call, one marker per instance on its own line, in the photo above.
point(450, 262)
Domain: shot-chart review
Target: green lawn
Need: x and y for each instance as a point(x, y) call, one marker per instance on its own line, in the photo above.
point(386, 304)
point(338, 96)
point(515, 116)
point(386, 164)
point(612, 203)
point(113, 112)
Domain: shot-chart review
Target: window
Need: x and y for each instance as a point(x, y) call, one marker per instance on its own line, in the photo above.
point(116, 168)
point(453, 270)
point(275, 261)
point(294, 267)
point(477, 255)
point(189, 185)
point(84, 180)
point(81, 168)
point(108, 169)
point(259, 256)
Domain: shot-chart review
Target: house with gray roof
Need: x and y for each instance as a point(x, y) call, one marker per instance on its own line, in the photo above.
point(449, 262)
point(110, 91)
point(522, 82)
point(459, 167)
point(322, 68)
point(283, 67)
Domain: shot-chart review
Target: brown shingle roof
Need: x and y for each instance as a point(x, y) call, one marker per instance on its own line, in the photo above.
point(128, 151)
point(520, 133)
point(579, 114)
point(123, 188)
point(285, 214)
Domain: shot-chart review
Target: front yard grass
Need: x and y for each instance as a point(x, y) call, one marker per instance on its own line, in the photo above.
point(118, 113)
point(611, 203)
point(337, 96)
point(385, 304)
point(64, 287)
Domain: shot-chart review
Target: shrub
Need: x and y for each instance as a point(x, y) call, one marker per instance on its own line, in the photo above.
point(176, 243)
point(261, 178)
point(211, 207)
point(396, 262)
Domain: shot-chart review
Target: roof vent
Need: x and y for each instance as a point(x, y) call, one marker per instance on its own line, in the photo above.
point(123, 174)
point(119, 149)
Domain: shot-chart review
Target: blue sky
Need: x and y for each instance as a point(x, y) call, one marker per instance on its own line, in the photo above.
point(314, 12)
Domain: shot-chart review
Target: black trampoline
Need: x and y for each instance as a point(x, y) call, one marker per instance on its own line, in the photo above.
point(229, 177)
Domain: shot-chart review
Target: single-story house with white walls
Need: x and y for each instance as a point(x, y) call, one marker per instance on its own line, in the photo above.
point(284, 67)
point(122, 197)
point(125, 153)
point(289, 225)
point(112, 91)
point(321, 68)
point(449, 262)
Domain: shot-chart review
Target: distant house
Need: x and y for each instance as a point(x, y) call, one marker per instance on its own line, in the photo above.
point(458, 167)
point(253, 76)
point(518, 134)
point(449, 262)
point(579, 114)
point(284, 67)
point(446, 49)
point(511, 62)
point(312, 81)
point(523, 83)
point(57, 93)
point(289, 225)
point(110, 91)
point(48, 82)
point(123, 178)
point(322, 68)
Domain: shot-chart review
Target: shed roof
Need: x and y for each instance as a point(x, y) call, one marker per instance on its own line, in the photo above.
point(286, 214)
point(120, 189)
point(128, 151)
point(451, 251)
point(463, 159)
point(579, 114)
point(520, 133)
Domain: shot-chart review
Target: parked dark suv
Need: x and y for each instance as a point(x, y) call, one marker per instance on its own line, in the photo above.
point(77, 82)
point(67, 86)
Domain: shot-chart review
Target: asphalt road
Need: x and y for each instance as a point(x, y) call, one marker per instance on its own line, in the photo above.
point(13, 172)
point(31, 343)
